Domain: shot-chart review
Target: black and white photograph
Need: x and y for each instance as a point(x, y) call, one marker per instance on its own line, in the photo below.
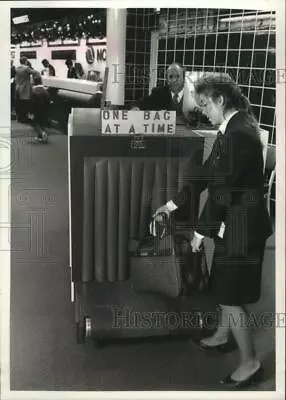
point(142, 208)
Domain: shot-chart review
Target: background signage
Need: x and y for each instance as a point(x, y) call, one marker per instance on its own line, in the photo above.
point(118, 122)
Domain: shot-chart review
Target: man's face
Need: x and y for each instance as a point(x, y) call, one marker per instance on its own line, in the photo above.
point(46, 64)
point(175, 78)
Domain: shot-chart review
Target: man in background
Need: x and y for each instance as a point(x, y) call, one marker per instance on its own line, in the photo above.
point(71, 69)
point(79, 71)
point(23, 89)
point(48, 70)
point(169, 97)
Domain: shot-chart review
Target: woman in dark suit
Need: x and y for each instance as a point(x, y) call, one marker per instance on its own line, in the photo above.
point(234, 215)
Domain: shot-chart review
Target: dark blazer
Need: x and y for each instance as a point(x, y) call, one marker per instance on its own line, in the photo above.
point(23, 82)
point(233, 174)
point(52, 71)
point(159, 99)
point(72, 73)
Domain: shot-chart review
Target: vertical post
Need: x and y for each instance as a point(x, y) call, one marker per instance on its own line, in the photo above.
point(116, 43)
point(153, 59)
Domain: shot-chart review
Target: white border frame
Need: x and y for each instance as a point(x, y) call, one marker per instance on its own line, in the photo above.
point(6, 394)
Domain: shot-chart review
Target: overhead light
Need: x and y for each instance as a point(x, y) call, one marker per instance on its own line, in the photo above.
point(21, 20)
point(248, 18)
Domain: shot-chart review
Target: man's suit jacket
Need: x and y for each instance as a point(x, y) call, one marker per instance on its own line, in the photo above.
point(159, 99)
point(23, 82)
point(233, 174)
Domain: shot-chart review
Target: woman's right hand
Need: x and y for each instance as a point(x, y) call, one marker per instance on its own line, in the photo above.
point(196, 243)
point(161, 210)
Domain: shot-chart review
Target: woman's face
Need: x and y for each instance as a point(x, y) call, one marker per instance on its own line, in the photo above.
point(212, 109)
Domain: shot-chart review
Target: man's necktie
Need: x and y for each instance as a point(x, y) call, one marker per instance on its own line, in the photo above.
point(176, 99)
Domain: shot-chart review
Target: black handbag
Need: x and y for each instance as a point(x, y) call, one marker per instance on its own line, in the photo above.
point(166, 265)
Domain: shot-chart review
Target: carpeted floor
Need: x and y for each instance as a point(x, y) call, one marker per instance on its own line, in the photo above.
point(44, 352)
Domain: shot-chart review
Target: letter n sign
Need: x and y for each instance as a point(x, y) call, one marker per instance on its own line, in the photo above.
point(101, 55)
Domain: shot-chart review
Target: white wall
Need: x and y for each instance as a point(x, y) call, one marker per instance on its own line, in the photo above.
point(61, 70)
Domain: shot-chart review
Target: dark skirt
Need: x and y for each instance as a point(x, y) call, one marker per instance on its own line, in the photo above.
point(235, 279)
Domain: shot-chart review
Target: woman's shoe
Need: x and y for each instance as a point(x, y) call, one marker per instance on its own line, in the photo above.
point(253, 379)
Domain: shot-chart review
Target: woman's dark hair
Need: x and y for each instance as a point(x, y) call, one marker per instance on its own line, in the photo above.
point(214, 85)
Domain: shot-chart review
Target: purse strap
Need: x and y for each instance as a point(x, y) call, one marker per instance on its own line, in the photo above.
point(165, 224)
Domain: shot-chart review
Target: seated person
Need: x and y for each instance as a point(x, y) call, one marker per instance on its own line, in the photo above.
point(169, 97)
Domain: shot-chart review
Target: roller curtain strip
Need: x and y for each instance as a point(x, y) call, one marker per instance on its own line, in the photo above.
point(119, 198)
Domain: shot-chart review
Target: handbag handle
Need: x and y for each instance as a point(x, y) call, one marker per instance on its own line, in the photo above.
point(165, 223)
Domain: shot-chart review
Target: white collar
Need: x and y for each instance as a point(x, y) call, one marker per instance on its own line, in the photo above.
point(180, 95)
point(223, 126)
point(38, 86)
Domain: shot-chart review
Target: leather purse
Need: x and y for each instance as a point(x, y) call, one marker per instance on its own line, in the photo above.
point(166, 265)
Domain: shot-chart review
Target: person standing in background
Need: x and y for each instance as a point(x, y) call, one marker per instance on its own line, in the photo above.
point(48, 70)
point(79, 71)
point(23, 89)
point(12, 83)
point(71, 69)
